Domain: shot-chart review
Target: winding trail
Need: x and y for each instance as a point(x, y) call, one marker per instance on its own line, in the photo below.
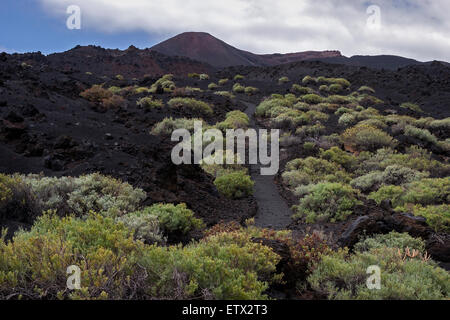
point(273, 211)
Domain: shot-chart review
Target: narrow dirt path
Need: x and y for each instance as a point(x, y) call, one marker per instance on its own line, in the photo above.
point(273, 211)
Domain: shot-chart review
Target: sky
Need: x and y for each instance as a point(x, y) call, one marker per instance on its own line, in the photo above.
point(417, 29)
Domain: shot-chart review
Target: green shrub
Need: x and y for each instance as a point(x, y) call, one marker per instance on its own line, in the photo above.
point(238, 88)
point(234, 120)
point(335, 88)
point(194, 75)
point(342, 276)
point(120, 77)
point(327, 202)
point(324, 88)
point(443, 124)
point(168, 125)
point(392, 240)
point(165, 82)
point(337, 99)
point(347, 119)
point(17, 202)
point(312, 170)
point(393, 193)
point(368, 182)
point(223, 82)
point(309, 80)
point(366, 89)
point(283, 80)
point(267, 105)
point(376, 123)
point(414, 158)
point(428, 191)
point(114, 90)
point(204, 76)
point(312, 98)
point(313, 131)
point(173, 218)
point(226, 94)
point(437, 216)
point(301, 90)
point(339, 156)
point(364, 137)
point(235, 185)
point(251, 91)
point(191, 104)
point(149, 103)
point(421, 134)
point(238, 77)
point(226, 266)
point(34, 264)
point(80, 195)
point(212, 86)
point(411, 106)
point(146, 227)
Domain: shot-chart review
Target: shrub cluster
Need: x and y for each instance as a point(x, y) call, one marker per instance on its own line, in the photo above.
point(235, 185)
point(191, 104)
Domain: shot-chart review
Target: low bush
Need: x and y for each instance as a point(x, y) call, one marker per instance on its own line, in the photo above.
point(421, 134)
point(366, 89)
point(251, 91)
point(212, 86)
point(347, 119)
point(411, 106)
point(339, 156)
point(204, 76)
point(234, 120)
point(96, 94)
point(33, 265)
point(172, 218)
point(238, 77)
point(165, 83)
point(364, 137)
point(191, 104)
point(146, 227)
point(225, 266)
point(283, 80)
point(114, 102)
point(223, 82)
point(312, 170)
point(342, 276)
point(392, 175)
point(238, 88)
point(150, 103)
point(309, 80)
point(327, 202)
point(335, 88)
point(226, 94)
point(235, 185)
point(312, 98)
point(168, 125)
point(301, 90)
point(80, 195)
point(391, 240)
point(437, 216)
point(421, 192)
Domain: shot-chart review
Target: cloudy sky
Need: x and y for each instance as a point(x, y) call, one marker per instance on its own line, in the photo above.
point(417, 29)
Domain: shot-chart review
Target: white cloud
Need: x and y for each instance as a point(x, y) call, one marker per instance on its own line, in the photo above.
point(413, 28)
